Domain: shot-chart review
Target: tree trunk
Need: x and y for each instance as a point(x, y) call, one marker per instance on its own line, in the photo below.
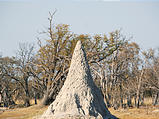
point(129, 101)
point(135, 101)
point(26, 102)
point(107, 99)
point(27, 95)
point(156, 99)
point(0, 99)
point(139, 88)
point(138, 101)
point(5, 98)
point(45, 100)
point(27, 98)
point(121, 97)
point(115, 104)
point(35, 99)
point(52, 92)
point(142, 98)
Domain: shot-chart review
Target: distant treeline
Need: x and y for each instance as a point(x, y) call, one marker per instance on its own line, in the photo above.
point(120, 69)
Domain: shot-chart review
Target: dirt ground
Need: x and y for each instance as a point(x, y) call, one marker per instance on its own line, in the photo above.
point(33, 111)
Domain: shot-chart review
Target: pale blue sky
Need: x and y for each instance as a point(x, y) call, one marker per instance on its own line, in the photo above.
point(20, 20)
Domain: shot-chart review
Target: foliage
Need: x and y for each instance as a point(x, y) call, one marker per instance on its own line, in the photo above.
point(118, 67)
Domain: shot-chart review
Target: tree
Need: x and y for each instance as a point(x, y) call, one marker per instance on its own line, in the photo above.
point(119, 74)
point(7, 87)
point(18, 69)
point(53, 58)
point(151, 60)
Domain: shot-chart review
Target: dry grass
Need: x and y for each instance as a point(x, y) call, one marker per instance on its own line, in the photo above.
point(28, 113)
point(142, 113)
point(23, 113)
point(31, 101)
point(146, 112)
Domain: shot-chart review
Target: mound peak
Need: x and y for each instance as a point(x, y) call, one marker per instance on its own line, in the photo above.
point(79, 96)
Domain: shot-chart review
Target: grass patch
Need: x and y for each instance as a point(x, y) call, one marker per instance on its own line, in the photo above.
point(23, 113)
point(36, 110)
point(134, 113)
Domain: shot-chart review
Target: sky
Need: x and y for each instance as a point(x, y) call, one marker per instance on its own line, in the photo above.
point(22, 20)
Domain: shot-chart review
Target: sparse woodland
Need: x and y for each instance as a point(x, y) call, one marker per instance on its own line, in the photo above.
point(125, 74)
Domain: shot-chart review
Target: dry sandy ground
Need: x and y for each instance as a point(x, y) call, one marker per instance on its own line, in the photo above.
point(28, 113)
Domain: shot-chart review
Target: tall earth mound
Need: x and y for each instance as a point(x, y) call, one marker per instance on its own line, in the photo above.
point(79, 96)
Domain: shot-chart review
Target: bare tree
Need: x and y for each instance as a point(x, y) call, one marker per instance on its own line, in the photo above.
point(19, 69)
point(152, 74)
